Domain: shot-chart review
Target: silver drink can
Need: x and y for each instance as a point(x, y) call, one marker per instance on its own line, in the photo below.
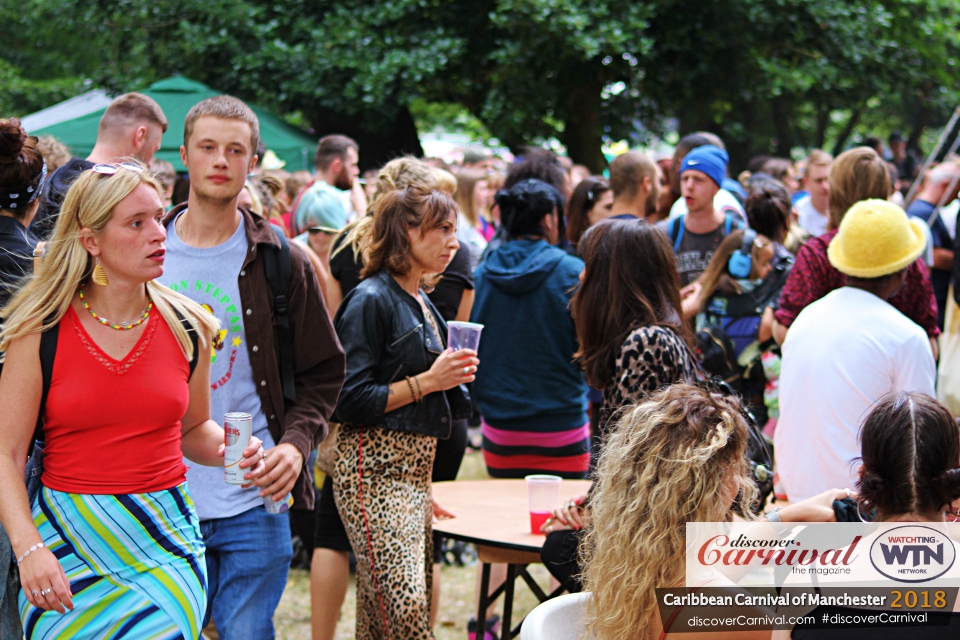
point(237, 429)
point(275, 508)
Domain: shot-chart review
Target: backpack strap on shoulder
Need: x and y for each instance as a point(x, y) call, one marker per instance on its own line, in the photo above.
point(676, 232)
point(279, 269)
point(48, 353)
point(194, 339)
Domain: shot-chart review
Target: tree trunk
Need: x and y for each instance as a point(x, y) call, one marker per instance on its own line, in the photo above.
point(397, 137)
point(917, 126)
point(845, 134)
point(780, 109)
point(581, 135)
point(823, 121)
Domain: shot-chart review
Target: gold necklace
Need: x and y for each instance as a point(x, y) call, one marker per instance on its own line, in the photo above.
point(179, 225)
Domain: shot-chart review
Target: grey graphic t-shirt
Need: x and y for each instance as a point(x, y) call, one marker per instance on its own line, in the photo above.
point(695, 249)
point(209, 277)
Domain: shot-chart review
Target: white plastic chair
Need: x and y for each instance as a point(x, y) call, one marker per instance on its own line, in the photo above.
point(557, 619)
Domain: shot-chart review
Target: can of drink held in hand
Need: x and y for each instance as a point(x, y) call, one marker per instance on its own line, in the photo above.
point(275, 508)
point(237, 429)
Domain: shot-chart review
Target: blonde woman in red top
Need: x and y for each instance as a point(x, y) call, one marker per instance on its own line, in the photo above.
point(110, 546)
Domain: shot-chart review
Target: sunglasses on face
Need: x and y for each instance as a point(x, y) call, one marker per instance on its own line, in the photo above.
point(326, 230)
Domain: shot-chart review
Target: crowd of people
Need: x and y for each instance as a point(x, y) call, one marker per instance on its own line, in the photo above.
point(139, 306)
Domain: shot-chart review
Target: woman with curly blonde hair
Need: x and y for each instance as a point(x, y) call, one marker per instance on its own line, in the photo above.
point(678, 457)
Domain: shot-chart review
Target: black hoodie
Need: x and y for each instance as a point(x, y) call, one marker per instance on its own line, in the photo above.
point(53, 194)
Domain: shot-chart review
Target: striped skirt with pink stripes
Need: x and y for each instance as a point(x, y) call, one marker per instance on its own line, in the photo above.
point(515, 453)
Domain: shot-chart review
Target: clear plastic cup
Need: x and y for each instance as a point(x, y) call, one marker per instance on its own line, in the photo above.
point(543, 492)
point(463, 335)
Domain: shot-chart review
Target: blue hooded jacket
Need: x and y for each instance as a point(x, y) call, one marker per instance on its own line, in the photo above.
point(527, 379)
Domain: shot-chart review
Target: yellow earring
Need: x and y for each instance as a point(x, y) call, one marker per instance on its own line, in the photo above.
point(99, 275)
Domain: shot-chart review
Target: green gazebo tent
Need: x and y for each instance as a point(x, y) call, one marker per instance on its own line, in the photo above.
point(175, 96)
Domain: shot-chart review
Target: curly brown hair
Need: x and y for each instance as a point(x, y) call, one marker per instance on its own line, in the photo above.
point(660, 469)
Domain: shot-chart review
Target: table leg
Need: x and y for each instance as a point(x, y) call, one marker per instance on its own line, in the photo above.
point(506, 632)
point(484, 602)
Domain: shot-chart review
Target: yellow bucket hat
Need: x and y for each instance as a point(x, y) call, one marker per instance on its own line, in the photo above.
point(876, 238)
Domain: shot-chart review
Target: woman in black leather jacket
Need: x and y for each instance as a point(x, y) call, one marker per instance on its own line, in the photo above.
point(402, 392)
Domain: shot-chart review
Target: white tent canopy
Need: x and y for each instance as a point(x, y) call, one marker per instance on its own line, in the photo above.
point(67, 110)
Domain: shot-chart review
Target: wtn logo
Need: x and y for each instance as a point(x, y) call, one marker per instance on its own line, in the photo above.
point(912, 553)
point(899, 554)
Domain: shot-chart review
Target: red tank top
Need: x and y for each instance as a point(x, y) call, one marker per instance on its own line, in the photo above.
point(113, 426)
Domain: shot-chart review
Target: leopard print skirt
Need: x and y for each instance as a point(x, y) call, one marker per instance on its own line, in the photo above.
point(390, 530)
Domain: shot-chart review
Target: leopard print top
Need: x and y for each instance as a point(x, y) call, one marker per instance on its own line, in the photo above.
point(651, 357)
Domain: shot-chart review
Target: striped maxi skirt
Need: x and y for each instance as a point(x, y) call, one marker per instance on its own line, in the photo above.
point(135, 563)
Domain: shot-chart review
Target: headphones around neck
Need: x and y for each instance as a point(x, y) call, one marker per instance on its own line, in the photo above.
point(741, 261)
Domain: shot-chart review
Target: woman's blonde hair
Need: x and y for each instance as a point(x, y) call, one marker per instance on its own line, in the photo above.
point(394, 176)
point(661, 468)
point(45, 297)
point(467, 179)
point(857, 174)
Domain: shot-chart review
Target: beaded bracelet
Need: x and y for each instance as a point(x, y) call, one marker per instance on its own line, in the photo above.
point(39, 545)
point(413, 392)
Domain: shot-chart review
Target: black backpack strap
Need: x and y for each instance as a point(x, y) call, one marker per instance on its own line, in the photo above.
point(48, 353)
point(194, 339)
point(278, 269)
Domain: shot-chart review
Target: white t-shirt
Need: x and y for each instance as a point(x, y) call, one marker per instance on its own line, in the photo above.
point(723, 199)
point(472, 239)
point(927, 254)
point(842, 354)
point(809, 219)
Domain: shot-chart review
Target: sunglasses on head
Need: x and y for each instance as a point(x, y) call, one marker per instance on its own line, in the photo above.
point(110, 169)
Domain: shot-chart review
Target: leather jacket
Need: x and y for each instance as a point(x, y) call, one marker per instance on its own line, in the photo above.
point(385, 338)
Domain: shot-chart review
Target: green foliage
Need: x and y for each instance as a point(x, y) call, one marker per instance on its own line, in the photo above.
point(767, 75)
point(447, 117)
point(20, 96)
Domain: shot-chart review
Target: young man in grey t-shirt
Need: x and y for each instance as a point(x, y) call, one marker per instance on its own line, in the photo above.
point(697, 234)
point(216, 255)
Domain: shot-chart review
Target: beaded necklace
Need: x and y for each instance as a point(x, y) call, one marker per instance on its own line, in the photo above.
point(123, 326)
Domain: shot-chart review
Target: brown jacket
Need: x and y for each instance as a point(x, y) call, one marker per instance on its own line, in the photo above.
point(318, 359)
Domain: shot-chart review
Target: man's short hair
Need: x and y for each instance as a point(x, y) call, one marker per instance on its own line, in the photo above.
point(332, 147)
point(227, 108)
point(627, 172)
point(691, 141)
point(163, 171)
point(713, 139)
point(131, 109)
point(474, 155)
point(818, 158)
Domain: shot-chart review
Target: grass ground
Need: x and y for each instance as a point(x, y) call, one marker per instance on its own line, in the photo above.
point(458, 585)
